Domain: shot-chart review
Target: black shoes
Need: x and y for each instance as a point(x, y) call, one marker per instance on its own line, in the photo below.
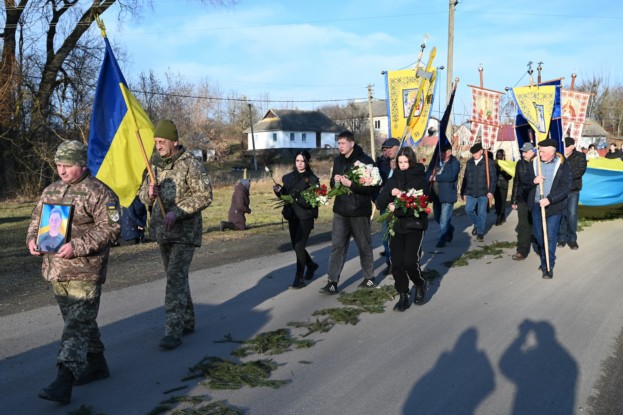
point(367, 283)
point(420, 293)
point(403, 302)
point(441, 244)
point(60, 389)
point(518, 256)
point(330, 288)
point(311, 269)
point(548, 275)
point(480, 238)
point(169, 342)
point(96, 369)
point(561, 244)
point(573, 245)
point(298, 282)
point(188, 330)
point(474, 231)
point(500, 220)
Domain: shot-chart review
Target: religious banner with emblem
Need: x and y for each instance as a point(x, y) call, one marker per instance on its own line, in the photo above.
point(536, 105)
point(574, 105)
point(402, 87)
point(485, 121)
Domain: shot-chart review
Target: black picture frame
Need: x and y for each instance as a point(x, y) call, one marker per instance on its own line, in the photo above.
point(54, 227)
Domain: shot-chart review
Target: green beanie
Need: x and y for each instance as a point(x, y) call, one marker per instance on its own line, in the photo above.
point(167, 130)
point(73, 153)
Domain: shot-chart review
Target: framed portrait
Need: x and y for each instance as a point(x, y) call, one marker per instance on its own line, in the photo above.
point(54, 227)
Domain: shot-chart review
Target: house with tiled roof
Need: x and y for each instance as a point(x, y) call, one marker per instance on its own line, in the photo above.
point(293, 129)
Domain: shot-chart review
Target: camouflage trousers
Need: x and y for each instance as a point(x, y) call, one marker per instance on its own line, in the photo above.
point(79, 302)
point(178, 304)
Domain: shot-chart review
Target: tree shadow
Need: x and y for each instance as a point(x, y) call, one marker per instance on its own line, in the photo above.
point(460, 380)
point(544, 373)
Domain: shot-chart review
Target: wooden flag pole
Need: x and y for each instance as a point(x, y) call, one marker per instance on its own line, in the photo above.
point(541, 191)
point(150, 172)
point(486, 150)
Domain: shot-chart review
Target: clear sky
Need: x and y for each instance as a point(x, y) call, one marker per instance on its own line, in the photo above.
point(325, 50)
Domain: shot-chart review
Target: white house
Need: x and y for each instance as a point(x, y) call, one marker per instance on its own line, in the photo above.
point(293, 129)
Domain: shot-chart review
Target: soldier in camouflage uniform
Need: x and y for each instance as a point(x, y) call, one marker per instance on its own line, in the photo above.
point(78, 269)
point(184, 190)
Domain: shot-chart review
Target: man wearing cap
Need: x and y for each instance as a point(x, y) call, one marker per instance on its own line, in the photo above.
point(477, 188)
point(184, 189)
point(389, 149)
point(555, 177)
point(443, 175)
point(523, 182)
point(78, 269)
point(568, 230)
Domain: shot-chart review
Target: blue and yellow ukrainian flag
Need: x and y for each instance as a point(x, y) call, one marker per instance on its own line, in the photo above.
point(115, 155)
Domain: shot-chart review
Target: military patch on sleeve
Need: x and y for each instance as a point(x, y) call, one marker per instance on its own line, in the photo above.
point(113, 213)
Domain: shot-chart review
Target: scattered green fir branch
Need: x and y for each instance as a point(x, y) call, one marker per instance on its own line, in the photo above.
point(213, 408)
point(272, 342)
point(342, 315)
point(495, 250)
point(305, 362)
point(195, 399)
point(321, 326)
point(371, 300)
point(228, 339)
point(160, 409)
point(225, 374)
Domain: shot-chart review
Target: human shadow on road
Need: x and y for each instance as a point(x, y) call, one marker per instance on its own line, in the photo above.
point(460, 380)
point(544, 373)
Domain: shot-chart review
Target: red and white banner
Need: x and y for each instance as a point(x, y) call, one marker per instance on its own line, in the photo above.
point(485, 116)
point(573, 105)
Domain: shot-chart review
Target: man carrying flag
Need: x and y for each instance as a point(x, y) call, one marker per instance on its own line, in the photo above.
point(182, 192)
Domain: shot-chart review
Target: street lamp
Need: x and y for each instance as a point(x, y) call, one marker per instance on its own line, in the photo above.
point(252, 136)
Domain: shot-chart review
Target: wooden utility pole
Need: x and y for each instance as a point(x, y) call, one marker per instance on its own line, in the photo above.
point(371, 116)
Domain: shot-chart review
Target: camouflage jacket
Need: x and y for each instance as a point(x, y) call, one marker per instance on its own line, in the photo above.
point(185, 190)
point(94, 227)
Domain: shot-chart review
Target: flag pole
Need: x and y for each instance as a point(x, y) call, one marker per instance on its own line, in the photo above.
point(150, 172)
point(541, 191)
point(489, 201)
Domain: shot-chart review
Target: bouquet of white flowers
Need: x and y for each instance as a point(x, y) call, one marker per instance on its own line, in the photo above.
point(363, 174)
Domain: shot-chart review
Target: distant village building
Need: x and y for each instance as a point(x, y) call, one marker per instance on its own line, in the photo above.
point(362, 111)
point(593, 133)
point(293, 129)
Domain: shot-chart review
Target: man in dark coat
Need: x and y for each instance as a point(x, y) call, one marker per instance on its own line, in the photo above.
point(389, 149)
point(523, 182)
point(568, 231)
point(443, 182)
point(351, 215)
point(554, 175)
point(478, 189)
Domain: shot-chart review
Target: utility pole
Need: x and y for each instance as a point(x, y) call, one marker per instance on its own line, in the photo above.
point(453, 4)
point(252, 136)
point(370, 115)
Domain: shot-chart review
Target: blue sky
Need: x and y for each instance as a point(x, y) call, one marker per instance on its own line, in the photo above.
point(331, 50)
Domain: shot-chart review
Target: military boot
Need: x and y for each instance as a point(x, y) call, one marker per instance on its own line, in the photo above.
point(403, 302)
point(60, 389)
point(96, 369)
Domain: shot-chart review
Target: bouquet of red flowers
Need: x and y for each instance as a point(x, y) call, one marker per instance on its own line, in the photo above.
point(314, 195)
point(412, 199)
point(364, 174)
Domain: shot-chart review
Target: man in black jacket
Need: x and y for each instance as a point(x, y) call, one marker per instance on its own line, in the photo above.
point(351, 215)
point(567, 233)
point(478, 189)
point(523, 182)
point(555, 177)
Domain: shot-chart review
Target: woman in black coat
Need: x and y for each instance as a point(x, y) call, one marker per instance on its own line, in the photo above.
point(501, 189)
point(406, 244)
point(300, 215)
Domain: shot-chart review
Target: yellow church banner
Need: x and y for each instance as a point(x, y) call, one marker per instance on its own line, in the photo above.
point(536, 104)
point(421, 114)
point(402, 88)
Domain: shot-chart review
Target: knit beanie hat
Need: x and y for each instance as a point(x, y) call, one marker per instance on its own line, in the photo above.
point(167, 130)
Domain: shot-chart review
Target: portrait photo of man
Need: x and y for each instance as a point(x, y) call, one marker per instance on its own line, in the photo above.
point(53, 238)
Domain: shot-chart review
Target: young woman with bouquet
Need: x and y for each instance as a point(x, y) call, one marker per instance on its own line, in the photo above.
point(405, 196)
point(300, 211)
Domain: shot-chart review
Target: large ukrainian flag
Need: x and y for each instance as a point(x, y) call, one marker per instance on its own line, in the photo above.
point(118, 123)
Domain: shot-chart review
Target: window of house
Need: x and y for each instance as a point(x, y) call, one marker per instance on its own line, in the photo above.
point(377, 124)
point(336, 138)
point(304, 137)
point(274, 137)
point(291, 136)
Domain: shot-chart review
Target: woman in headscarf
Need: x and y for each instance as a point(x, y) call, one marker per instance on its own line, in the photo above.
point(406, 243)
point(239, 207)
point(299, 214)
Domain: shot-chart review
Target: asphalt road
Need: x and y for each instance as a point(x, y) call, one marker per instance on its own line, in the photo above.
point(493, 338)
